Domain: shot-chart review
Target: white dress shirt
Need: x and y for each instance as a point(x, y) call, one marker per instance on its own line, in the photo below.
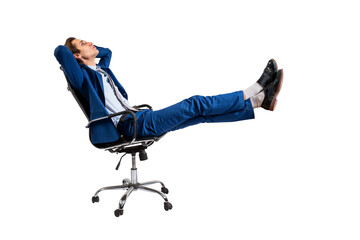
point(112, 104)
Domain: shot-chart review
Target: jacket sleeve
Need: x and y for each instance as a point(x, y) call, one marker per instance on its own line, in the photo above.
point(105, 55)
point(70, 66)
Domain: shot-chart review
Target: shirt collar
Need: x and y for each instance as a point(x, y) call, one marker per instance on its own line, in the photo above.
point(94, 67)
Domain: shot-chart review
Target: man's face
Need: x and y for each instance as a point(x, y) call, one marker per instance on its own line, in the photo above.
point(87, 49)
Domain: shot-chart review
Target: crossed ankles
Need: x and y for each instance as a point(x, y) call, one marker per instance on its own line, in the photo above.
point(265, 91)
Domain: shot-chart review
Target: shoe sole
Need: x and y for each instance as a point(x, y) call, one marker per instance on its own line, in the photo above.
point(274, 101)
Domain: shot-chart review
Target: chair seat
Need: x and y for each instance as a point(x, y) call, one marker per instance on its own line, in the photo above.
point(124, 145)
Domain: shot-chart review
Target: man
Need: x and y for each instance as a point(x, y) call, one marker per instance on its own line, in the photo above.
point(105, 95)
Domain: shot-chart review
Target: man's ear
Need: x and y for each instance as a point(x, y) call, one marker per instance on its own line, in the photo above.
point(76, 56)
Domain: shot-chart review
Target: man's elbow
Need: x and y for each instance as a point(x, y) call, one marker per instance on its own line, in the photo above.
point(60, 50)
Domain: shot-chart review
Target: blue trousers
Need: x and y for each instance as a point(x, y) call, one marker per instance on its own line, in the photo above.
point(194, 110)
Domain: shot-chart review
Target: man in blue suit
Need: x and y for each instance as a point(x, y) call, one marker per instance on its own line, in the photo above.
point(105, 95)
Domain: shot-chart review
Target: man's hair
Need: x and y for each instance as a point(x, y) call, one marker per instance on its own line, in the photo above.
point(71, 46)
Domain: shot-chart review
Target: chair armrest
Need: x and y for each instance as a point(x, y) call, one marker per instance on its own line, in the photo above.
point(143, 105)
point(114, 115)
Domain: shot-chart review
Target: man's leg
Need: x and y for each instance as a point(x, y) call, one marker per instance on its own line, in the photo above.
point(230, 107)
point(194, 110)
point(244, 114)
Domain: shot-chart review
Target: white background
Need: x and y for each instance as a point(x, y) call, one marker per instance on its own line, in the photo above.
point(288, 174)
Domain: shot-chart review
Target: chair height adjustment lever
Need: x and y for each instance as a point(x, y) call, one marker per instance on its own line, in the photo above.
point(118, 165)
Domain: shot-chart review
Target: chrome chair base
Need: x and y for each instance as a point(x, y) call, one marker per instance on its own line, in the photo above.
point(131, 185)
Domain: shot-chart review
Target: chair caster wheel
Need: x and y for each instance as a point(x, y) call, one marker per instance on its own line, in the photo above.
point(126, 181)
point(118, 212)
point(95, 199)
point(167, 206)
point(165, 190)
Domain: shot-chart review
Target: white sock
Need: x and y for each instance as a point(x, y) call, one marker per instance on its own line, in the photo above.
point(257, 100)
point(252, 90)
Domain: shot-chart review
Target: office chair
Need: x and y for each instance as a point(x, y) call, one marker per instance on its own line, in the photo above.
point(127, 146)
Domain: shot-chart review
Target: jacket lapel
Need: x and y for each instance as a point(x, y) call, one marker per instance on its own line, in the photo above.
point(96, 81)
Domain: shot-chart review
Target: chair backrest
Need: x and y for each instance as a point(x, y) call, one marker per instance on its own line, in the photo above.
point(83, 104)
point(122, 145)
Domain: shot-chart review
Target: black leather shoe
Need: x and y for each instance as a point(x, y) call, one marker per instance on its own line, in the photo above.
point(269, 73)
point(272, 91)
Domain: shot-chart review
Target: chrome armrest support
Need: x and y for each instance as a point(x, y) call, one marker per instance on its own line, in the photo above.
point(114, 115)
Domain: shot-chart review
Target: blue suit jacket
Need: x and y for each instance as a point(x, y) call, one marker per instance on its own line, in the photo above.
point(90, 85)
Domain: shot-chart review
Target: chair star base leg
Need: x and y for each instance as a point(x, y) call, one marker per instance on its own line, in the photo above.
point(131, 185)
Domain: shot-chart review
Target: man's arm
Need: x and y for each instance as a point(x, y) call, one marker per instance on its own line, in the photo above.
point(70, 66)
point(105, 55)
